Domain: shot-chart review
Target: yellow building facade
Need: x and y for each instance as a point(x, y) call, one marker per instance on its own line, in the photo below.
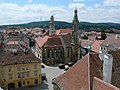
point(20, 75)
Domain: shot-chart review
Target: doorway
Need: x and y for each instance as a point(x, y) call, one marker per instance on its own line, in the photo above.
point(19, 84)
point(11, 86)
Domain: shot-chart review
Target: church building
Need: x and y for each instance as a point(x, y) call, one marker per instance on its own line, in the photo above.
point(55, 48)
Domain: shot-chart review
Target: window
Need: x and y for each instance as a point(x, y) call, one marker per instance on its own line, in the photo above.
point(36, 81)
point(35, 73)
point(19, 76)
point(10, 69)
point(2, 75)
point(18, 68)
point(23, 75)
point(10, 76)
point(27, 74)
point(2, 69)
point(68, 53)
point(23, 68)
point(27, 82)
point(35, 66)
point(23, 82)
point(27, 67)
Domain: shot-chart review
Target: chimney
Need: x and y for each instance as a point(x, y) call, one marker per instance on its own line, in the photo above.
point(102, 52)
point(116, 36)
point(107, 67)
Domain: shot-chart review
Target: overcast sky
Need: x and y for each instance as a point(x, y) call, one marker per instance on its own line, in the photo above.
point(23, 11)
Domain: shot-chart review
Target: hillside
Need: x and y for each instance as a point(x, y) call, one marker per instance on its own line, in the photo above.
point(60, 24)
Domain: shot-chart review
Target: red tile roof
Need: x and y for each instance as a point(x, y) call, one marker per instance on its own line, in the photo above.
point(53, 42)
point(102, 85)
point(64, 31)
point(20, 57)
point(42, 40)
point(80, 76)
point(112, 40)
point(76, 78)
point(96, 45)
point(85, 43)
point(12, 42)
point(115, 80)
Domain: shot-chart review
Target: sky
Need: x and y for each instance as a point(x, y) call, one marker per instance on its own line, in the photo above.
point(24, 11)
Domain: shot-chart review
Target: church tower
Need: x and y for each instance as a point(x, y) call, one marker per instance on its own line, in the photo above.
point(75, 37)
point(52, 26)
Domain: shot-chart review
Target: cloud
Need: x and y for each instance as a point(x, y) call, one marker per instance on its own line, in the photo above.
point(112, 2)
point(76, 5)
point(13, 13)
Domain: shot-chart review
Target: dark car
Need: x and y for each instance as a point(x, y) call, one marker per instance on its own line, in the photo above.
point(42, 66)
point(70, 64)
point(43, 76)
point(61, 66)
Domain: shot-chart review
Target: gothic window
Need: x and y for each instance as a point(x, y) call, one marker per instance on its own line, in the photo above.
point(68, 52)
point(48, 53)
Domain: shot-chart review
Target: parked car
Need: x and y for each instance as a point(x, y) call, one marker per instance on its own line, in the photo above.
point(70, 64)
point(42, 66)
point(43, 76)
point(61, 66)
point(66, 67)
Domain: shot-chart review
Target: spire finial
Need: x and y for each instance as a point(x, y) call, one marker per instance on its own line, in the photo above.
point(75, 9)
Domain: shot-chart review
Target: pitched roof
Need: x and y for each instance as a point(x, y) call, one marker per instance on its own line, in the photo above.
point(96, 45)
point(42, 40)
point(80, 76)
point(85, 43)
point(102, 85)
point(116, 68)
point(9, 58)
point(76, 78)
point(64, 31)
point(112, 40)
point(67, 39)
point(53, 42)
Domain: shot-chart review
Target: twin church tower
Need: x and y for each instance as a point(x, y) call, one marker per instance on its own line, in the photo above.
point(75, 44)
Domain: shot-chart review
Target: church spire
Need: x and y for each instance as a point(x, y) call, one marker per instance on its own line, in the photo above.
point(75, 38)
point(52, 26)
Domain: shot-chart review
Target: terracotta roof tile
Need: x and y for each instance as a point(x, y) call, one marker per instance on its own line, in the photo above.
point(102, 85)
point(76, 78)
point(9, 58)
point(64, 31)
point(80, 76)
point(116, 68)
point(67, 39)
point(42, 40)
point(96, 45)
point(112, 40)
point(53, 42)
point(85, 43)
